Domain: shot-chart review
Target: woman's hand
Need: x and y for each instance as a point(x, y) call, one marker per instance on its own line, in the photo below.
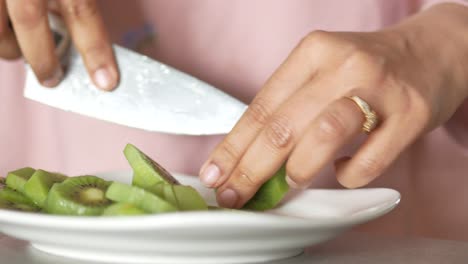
point(413, 75)
point(31, 37)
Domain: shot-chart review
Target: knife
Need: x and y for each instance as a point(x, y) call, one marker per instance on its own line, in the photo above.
point(151, 96)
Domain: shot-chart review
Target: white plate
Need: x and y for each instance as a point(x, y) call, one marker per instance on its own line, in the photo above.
point(307, 218)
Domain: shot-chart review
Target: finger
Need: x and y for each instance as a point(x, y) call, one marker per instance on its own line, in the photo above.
point(377, 153)
point(336, 126)
point(297, 69)
point(32, 30)
point(8, 46)
point(88, 32)
point(273, 144)
point(53, 6)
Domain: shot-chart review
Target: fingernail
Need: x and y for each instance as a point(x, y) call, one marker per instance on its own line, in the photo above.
point(103, 79)
point(210, 175)
point(228, 198)
point(55, 79)
point(293, 184)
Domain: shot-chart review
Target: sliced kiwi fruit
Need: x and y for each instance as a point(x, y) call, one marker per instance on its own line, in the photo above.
point(2, 182)
point(185, 198)
point(13, 200)
point(188, 199)
point(123, 209)
point(149, 202)
point(16, 197)
point(82, 195)
point(18, 178)
point(270, 194)
point(4, 204)
point(146, 172)
point(38, 186)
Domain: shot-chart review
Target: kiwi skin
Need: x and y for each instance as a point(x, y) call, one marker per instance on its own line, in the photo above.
point(270, 193)
point(146, 172)
point(71, 196)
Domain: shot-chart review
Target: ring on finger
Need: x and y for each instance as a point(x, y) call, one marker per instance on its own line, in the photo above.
point(372, 120)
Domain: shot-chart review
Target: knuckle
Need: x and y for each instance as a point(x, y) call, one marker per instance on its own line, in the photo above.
point(311, 41)
point(415, 108)
point(364, 60)
point(421, 108)
point(229, 152)
point(29, 14)
point(359, 58)
point(371, 167)
point(80, 9)
point(246, 178)
point(316, 36)
point(279, 132)
point(331, 126)
point(257, 113)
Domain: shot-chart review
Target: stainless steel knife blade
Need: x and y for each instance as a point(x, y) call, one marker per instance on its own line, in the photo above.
point(151, 96)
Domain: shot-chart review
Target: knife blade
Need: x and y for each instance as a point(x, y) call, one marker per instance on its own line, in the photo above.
point(151, 96)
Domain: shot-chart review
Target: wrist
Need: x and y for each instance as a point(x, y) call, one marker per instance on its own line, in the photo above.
point(438, 39)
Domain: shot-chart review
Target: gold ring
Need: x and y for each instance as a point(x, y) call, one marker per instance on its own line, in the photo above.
point(372, 119)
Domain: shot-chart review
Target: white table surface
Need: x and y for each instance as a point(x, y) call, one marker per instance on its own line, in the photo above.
point(351, 247)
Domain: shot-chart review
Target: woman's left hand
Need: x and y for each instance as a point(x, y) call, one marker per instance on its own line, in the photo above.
point(412, 75)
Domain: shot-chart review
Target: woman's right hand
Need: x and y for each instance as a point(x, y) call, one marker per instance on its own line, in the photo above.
point(25, 31)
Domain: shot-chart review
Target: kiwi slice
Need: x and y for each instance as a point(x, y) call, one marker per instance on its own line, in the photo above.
point(16, 179)
point(146, 172)
point(4, 204)
point(82, 195)
point(185, 198)
point(13, 200)
point(2, 182)
point(271, 193)
point(123, 209)
point(13, 196)
point(188, 199)
point(149, 202)
point(38, 186)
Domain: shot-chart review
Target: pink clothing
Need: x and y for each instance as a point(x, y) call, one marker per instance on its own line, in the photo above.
point(235, 45)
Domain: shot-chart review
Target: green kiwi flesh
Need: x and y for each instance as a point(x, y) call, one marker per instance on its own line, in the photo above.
point(146, 172)
point(123, 209)
point(13, 200)
point(185, 198)
point(271, 193)
point(82, 195)
point(14, 196)
point(4, 204)
point(188, 199)
point(18, 178)
point(38, 186)
point(149, 202)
